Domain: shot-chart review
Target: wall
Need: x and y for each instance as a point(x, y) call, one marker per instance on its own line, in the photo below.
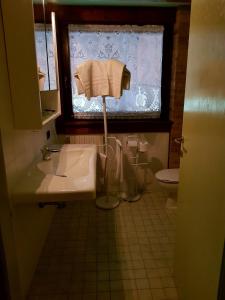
point(157, 156)
point(30, 223)
point(24, 228)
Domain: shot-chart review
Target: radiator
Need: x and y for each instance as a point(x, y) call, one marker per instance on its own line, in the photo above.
point(87, 139)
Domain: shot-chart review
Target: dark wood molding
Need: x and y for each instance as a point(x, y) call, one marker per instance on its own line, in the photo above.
point(4, 283)
point(221, 290)
point(114, 126)
point(166, 70)
point(113, 14)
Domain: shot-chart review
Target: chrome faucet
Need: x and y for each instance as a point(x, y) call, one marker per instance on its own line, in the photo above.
point(46, 151)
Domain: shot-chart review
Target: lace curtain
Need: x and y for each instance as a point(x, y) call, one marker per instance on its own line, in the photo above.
point(140, 48)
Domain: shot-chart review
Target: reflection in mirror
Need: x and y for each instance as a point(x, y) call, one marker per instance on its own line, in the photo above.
point(45, 52)
point(45, 57)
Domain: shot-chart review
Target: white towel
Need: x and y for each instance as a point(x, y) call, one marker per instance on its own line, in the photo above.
point(102, 78)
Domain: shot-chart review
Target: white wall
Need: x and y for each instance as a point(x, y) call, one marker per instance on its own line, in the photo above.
point(30, 223)
point(157, 156)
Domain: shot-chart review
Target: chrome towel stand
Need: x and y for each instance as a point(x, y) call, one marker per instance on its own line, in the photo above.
point(106, 201)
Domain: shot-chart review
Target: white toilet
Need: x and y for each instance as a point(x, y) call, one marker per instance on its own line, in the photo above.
point(169, 180)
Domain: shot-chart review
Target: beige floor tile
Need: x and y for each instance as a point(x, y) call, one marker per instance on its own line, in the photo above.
point(52, 297)
point(115, 275)
point(75, 297)
point(103, 275)
point(150, 263)
point(103, 286)
point(171, 293)
point(77, 287)
point(142, 283)
point(102, 266)
point(131, 295)
point(116, 285)
point(139, 273)
point(129, 284)
point(168, 282)
point(158, 294)
point(117, 295)
point(90, 287)
point(155, 283)
point(145, 294)
point(103, 296)
point(126, 253)
point(89, 297)
point(138, 264)
point(90, 276)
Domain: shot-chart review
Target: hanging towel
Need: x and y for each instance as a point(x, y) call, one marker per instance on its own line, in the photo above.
point(118, 77)
point(102, 78)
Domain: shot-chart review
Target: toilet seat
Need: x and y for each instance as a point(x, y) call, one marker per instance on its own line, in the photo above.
point(168, 175)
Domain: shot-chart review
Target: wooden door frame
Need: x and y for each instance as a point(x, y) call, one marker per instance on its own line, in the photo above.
point(221, 290)
point(4, 283)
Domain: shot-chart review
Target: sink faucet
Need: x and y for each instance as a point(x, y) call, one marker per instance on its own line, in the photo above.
point(45, 153)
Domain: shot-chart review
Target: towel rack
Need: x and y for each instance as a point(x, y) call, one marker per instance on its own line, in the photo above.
point(106, 201)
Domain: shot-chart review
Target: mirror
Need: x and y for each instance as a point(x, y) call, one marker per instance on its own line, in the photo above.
point(47, 60)
point(46, 51)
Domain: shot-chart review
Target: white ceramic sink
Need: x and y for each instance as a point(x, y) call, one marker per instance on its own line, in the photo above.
point(69, 175)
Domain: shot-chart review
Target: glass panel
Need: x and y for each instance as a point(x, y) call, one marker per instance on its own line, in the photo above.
point(45, 57)
point(140, 48)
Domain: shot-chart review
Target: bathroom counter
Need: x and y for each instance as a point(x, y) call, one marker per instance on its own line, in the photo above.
point(69, 175)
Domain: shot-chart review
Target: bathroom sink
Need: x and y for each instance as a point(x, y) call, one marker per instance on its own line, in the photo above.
point(69, 175)
point(49, 166)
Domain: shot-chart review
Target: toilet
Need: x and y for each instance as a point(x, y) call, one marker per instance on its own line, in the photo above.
point(169, 180)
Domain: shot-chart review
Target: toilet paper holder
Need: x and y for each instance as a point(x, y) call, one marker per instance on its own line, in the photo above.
point(132, 141)
point(137, 146)
point(143, 146)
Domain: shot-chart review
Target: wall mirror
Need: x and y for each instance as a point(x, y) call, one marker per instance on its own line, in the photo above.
point(45, 41)
point(47, 60)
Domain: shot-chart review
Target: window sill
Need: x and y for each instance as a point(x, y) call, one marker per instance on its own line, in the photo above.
point(114, 126)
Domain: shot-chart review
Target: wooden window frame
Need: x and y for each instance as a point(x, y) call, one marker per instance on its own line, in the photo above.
point(121, 15)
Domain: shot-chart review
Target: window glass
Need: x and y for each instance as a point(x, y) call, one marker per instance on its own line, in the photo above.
point(140, 48)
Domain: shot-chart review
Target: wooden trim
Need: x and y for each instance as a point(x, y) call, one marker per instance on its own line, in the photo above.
point(64, 67)
point(110, 15)
point(4, 284)
point(166, 70)
point(114, 126)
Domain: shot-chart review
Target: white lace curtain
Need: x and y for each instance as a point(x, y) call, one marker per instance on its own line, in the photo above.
point(140, 48)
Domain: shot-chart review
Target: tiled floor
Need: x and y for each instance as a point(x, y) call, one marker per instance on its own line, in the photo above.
point(125, 253)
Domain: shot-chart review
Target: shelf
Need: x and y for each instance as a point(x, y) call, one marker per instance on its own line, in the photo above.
point(50, 117)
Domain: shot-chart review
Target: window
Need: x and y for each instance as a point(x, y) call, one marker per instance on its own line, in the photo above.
point(83, 116)
point(140, 48)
